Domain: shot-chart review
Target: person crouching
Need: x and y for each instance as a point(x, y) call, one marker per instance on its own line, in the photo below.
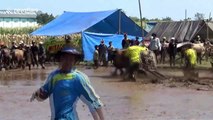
point(190, 62)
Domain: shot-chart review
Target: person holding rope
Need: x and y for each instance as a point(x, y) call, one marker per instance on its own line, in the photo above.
point(133, 53)
point(65, 85)
point(190, 61)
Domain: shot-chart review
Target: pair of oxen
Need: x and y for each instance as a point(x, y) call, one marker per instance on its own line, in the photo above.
point(11, 59)
point(121, 61)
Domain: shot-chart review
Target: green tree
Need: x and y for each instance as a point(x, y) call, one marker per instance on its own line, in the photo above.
point(167, 19)
point(199, 16)
point(145, 19)
point(44, 18)
point(154, 19)
point(135, 19)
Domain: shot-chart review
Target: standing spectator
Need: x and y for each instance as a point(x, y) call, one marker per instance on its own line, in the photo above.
point(34, 49)
point(21, 45)
point(28, 56)
point(110, 52)
point(198, 39)
point(96, 57)
point(67, 39)
point(41, 55)
point(155, 45)
point(14, 46)
point(164, 46)
point(136, 42)
point(125, 42)
point(102, 53)
point(172, 51)
point(65, 85)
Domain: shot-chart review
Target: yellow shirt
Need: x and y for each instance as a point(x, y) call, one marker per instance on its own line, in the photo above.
point(133, 52)
point(192, 56)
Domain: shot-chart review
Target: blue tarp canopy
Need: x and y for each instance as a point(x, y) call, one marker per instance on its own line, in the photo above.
point(89, 40)
point(110, 22)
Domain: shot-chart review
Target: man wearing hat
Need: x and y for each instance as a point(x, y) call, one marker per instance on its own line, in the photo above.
point(125, 42)
point(67, 39)
point(21, 45)
point(102, 53)
point(28, 56)
point(164, 46)
point(65, 85)
point(13, 46)
point(34, 49)
point(155, 45)
point(172, 51)
point(136, 42)
point(110, 52)
point(41, 54)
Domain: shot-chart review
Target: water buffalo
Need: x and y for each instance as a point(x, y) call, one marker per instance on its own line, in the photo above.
point(120, 61)
point(18, 59)
point(208, 50)
point(200, 49)
point(5, 58)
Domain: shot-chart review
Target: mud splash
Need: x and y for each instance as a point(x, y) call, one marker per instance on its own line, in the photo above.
point(123, 100)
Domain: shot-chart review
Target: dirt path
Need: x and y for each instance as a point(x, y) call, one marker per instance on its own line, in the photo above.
point(123, 100)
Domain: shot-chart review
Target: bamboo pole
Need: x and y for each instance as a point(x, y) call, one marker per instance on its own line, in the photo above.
point(139, 2)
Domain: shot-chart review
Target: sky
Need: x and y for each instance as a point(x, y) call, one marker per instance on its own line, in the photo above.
point(150, 8)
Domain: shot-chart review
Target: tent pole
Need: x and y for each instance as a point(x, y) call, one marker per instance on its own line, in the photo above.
point(207, 31)
point(185, 14)
point(119, 22)
point(139, 2)
point(207, 27)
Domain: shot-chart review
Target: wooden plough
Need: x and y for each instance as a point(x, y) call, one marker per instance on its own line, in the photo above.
point(148, 64)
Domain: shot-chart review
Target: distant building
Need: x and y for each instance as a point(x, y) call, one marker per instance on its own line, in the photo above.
point(18, 18)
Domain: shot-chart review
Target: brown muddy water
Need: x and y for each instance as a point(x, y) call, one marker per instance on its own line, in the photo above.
point(122, 100)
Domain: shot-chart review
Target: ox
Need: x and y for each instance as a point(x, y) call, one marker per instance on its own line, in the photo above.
point(120, 61)
point(199, 47)
point(18, 58)
point(5, 58)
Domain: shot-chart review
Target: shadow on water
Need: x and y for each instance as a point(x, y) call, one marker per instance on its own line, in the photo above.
point(23, 77)
point(110, 78)
point(105, 76)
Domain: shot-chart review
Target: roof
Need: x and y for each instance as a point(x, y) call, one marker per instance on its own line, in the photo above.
point(18, 14)
point(182, 30)
point(110, 22)
point(210, 24)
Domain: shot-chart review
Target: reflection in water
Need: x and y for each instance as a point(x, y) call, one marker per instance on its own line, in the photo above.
point(24, 77)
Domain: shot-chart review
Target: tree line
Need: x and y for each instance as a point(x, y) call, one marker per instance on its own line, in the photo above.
point(44, 18)
point(197, 16)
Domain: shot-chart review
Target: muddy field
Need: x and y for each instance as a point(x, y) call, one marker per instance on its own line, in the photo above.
point(150, 98)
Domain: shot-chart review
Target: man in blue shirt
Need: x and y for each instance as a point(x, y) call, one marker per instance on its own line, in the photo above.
point(65, 85)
